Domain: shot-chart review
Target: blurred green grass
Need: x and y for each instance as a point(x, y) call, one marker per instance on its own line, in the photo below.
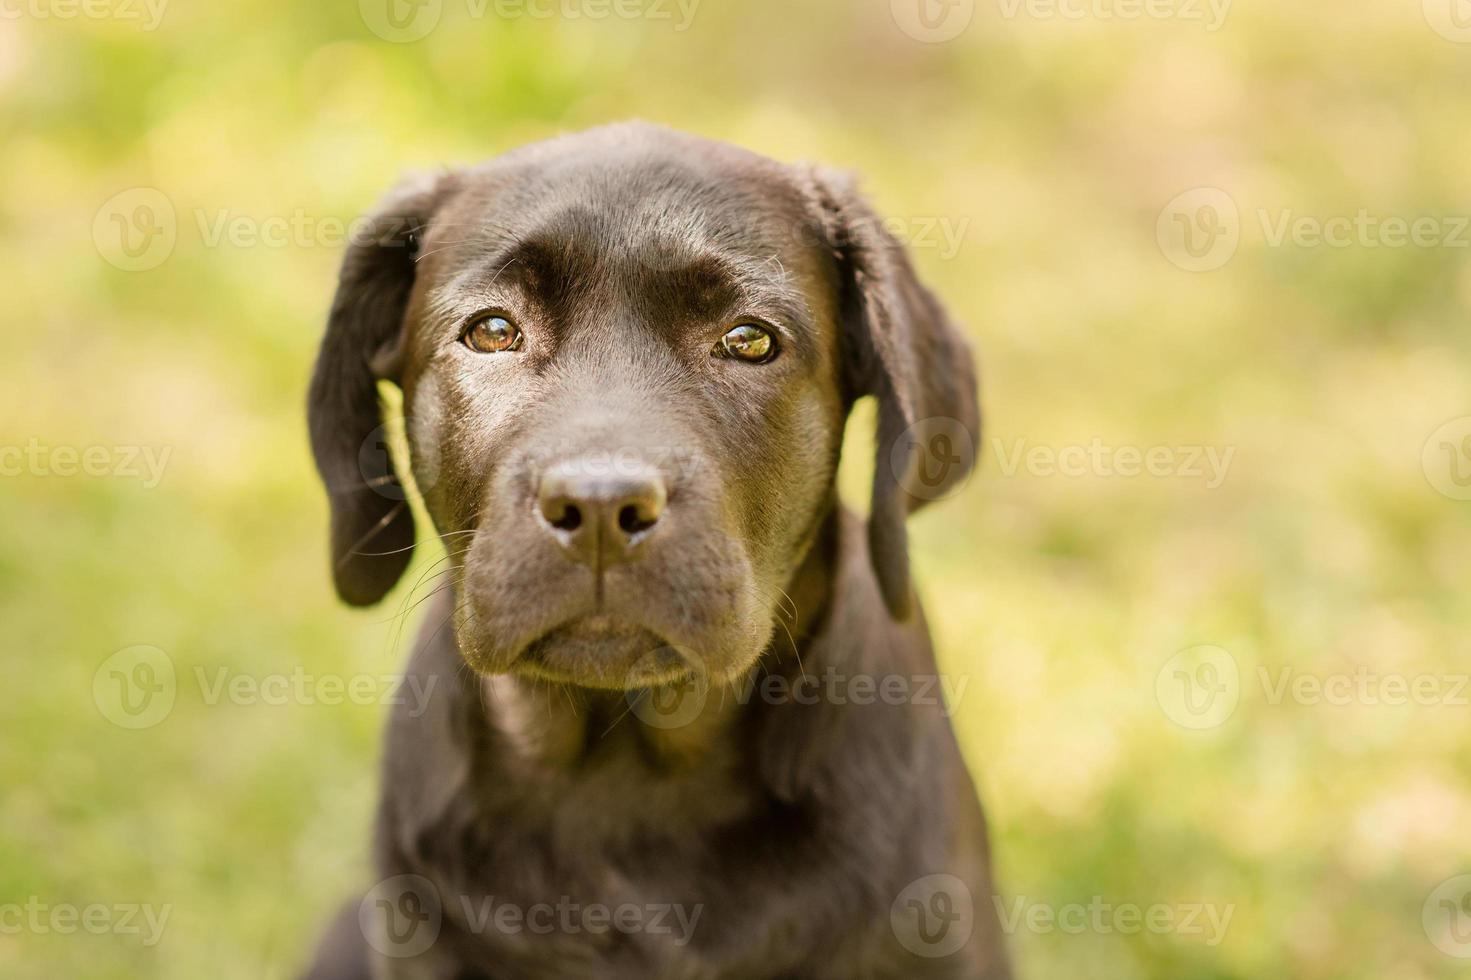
point(1057, 143)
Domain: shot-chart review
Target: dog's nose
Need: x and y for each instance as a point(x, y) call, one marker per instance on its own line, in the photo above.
point(599, 513)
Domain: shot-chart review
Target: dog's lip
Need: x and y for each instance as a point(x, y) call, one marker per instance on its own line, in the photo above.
point(594, 625)
point(662, 661)
point(602, 622)
point(542, 672)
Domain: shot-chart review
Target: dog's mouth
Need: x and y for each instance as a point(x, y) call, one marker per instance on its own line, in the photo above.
point(605, 652)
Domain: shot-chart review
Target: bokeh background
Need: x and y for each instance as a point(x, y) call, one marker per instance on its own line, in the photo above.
point(1120, 202)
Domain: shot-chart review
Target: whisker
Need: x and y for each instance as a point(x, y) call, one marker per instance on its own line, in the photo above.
point(372, 532)
point(626, 712)
point(409, 603)
point(397, 551)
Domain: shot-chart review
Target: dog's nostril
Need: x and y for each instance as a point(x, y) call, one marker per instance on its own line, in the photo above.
point(570, 519)
point(631, 521)
point(596, 517)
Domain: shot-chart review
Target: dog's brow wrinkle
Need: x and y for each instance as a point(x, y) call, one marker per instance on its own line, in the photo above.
point(466, 233)
point(461, 227)
point(448, 301)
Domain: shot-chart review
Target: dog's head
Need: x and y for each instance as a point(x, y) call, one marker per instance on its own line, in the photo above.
point(626, 359)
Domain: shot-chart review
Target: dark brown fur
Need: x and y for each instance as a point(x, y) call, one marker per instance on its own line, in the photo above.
point(792, 824)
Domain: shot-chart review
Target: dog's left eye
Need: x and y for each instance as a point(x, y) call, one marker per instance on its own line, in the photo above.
point(747, 342)
point(492, 334)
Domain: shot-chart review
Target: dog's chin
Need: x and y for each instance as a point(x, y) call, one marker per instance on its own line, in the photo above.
point(604, 653)
point(614, 649)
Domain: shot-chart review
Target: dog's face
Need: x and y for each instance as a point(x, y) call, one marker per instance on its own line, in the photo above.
point(633, 407)
point(626, 359)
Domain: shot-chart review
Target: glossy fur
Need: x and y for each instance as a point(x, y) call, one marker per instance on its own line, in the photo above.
point(783, 829)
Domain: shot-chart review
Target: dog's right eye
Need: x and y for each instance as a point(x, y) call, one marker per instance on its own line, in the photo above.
point(492, 333)
point(748, 342)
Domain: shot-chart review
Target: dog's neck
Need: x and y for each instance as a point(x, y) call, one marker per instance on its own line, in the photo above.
point(546, 724)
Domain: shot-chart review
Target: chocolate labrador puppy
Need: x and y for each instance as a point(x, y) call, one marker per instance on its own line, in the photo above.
point(683, 721)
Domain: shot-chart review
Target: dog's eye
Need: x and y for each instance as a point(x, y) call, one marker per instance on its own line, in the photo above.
point(747, 342)
point(492, 334)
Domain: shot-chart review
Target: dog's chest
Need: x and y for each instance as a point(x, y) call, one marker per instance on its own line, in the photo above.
point(630, 869)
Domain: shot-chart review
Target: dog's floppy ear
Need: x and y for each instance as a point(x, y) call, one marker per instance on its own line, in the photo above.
point(372, 525)
point(903, 350)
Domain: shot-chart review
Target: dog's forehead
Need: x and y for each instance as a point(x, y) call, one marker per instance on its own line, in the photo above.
point(673, 227)
point(640, 196)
